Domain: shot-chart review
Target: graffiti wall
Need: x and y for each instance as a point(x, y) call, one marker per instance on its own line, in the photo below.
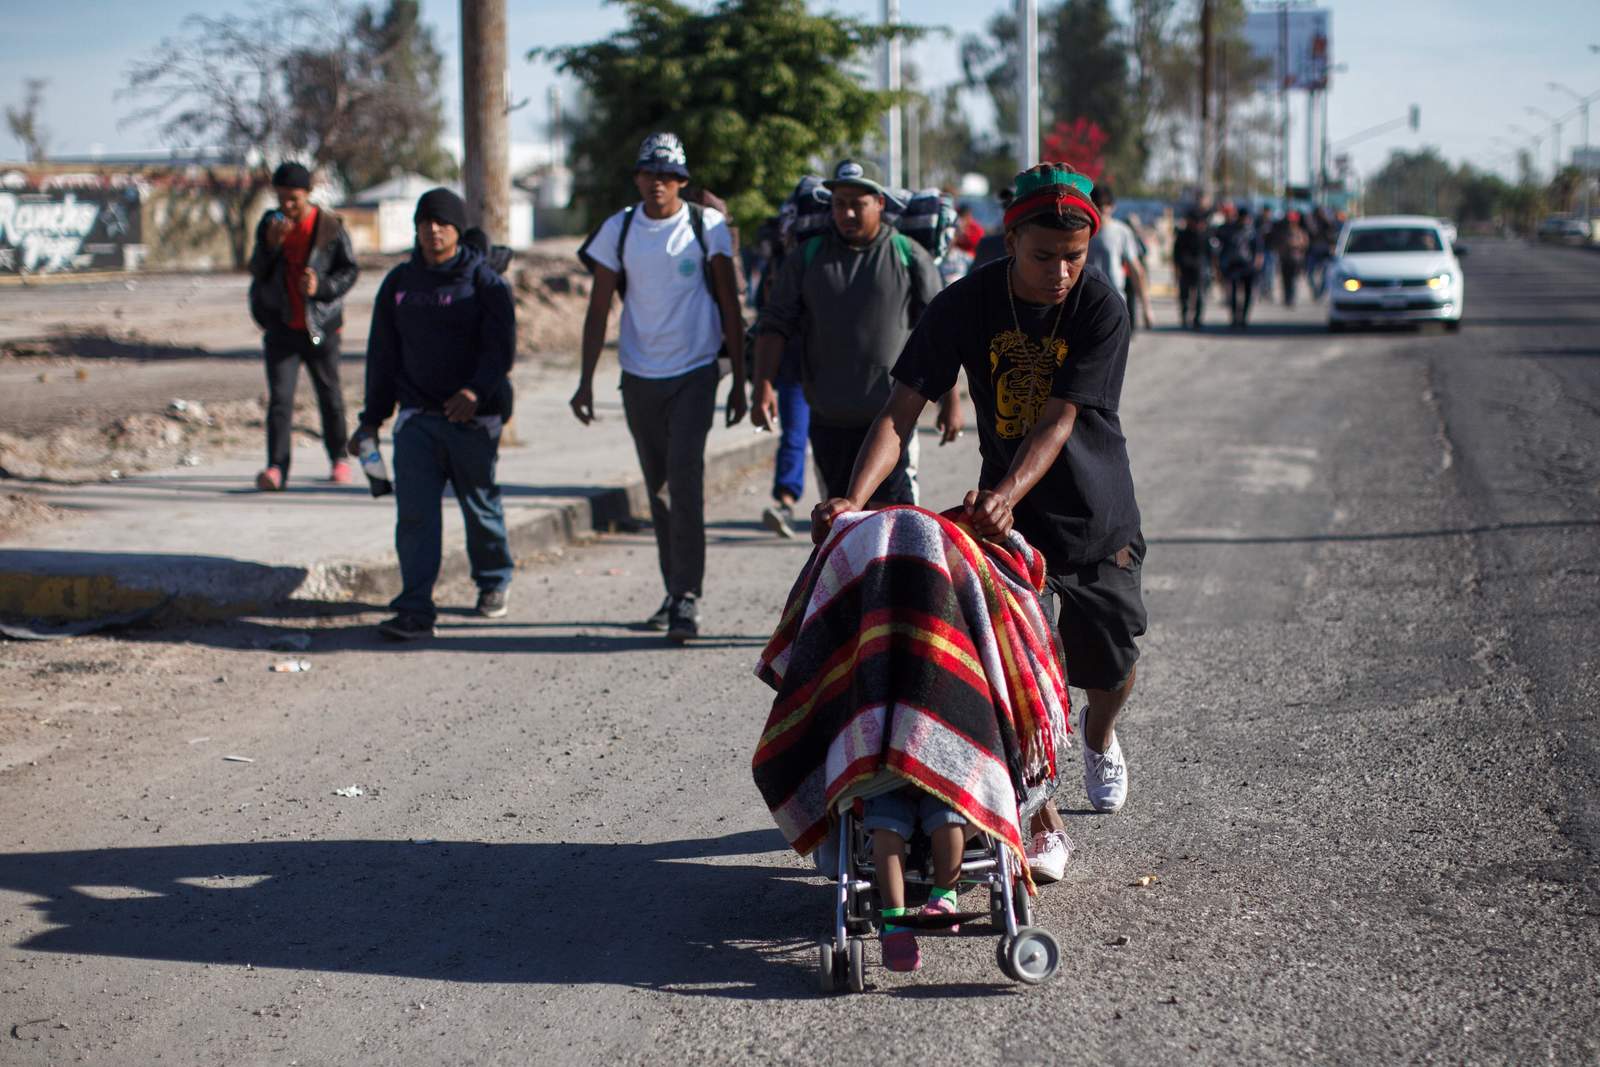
point(54, 226)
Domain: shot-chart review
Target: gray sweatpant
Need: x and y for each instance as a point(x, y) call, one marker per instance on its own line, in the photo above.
point(669, 419)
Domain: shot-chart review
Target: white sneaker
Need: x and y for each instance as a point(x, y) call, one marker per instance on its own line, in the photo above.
point(1105, 776)
point(1047, 854)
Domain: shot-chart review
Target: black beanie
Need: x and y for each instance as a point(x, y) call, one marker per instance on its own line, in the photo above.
point(291, 176)
point(441, 205)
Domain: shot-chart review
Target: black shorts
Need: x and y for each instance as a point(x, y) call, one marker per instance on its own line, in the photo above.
point(834, 448)
point(1102, 612)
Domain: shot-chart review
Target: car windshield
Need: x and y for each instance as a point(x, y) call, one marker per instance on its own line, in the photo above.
point(1393, 239)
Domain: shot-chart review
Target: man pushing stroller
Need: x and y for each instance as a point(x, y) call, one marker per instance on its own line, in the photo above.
point(1045, 345)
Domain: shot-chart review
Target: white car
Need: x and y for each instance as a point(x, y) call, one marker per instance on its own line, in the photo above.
point(1395, 268)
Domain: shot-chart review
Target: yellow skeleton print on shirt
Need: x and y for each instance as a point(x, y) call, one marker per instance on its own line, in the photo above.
point(1022, 370)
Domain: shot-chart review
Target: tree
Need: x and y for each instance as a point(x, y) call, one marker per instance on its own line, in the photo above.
point(1081, 143)
point(367, 102)
point(342, 89)
point(1084, 78)
point(23, 122)
point(758, 90)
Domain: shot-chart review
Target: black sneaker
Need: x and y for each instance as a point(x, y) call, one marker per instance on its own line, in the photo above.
point(685, 622)
point(492, 603)
point(662, 618)
point(780, 520)
point(406, 628)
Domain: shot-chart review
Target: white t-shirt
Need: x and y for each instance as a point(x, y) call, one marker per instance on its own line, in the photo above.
point(1110, 249)
point(670, 323)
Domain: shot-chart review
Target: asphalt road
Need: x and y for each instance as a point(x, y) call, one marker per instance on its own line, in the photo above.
point(1364, 758)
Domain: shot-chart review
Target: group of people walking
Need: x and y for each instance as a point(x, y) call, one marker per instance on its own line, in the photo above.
point(1244, 253)
point(857, 332)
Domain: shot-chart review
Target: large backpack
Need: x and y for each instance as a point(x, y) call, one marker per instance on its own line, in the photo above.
point(806, 213)
point(697, 223)
point(927, 216)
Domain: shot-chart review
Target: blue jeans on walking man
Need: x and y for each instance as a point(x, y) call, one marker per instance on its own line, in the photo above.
point(431, 452)
point(794, 426)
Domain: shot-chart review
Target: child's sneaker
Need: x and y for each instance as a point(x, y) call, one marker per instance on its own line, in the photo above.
point(942, 906)
point(900, 951)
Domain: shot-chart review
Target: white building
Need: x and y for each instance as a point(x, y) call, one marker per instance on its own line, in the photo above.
point(379, 219)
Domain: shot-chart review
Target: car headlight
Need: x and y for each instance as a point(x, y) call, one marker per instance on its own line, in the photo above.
point(1351, 285)
point(1439, 281)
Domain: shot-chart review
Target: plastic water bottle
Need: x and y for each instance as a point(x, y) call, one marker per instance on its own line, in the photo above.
point(373, 467)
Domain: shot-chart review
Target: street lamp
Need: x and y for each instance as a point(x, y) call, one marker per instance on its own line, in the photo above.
point(1583, 109)
point(1555, 146)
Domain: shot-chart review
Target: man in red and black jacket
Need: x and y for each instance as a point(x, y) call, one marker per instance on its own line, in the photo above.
point(300, 270)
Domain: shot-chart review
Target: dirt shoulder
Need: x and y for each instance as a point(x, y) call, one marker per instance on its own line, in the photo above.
point(136, 374)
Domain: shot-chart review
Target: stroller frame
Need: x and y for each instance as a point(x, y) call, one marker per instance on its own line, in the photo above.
point(1025, 953)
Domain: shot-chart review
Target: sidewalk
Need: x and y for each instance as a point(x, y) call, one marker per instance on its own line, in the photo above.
point(200, 542)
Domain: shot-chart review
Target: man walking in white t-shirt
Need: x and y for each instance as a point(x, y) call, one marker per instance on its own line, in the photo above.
point(1115, 250)
point(672, 264)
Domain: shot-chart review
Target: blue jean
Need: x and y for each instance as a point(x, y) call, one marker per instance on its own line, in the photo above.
point(431, 452)
point(794, 422)
point(904, 810)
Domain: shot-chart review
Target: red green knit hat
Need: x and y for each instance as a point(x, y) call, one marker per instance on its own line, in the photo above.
point(1047, 191)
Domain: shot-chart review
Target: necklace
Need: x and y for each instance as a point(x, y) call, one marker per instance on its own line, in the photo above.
point(1050, 342)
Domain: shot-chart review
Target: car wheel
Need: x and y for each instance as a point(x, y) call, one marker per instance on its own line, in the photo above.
point(1452, 325)
point(1335, 327)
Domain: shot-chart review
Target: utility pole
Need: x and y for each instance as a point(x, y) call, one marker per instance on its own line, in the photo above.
point(1207, 166)
point(892, 168)
point(1322, 155)
point(1222, 127)
point(1311, 143)
point(1028, 84)
point(914, 146)
point(1555, 145)
point(1283, 98)
point(486, 168)
point(1584, 169)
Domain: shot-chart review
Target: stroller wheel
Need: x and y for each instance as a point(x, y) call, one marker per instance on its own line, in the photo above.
point(825, 977)
point(858, 965)
point(1032, 955)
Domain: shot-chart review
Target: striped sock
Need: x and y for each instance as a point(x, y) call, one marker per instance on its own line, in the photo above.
point(943, 896)
point(889, 915)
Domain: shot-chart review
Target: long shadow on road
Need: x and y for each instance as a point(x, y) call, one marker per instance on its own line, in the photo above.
point(700, 917)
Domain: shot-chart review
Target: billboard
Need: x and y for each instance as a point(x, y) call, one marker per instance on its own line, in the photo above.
point(49, 230)
point(1303, 34)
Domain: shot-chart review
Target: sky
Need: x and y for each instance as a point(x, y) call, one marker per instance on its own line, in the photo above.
point(1473, 71)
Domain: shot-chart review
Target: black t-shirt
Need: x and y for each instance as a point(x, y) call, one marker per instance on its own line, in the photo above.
point(1083, 509)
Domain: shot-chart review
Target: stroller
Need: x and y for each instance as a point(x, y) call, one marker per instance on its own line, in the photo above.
point(859, 693)
point(1025, 953)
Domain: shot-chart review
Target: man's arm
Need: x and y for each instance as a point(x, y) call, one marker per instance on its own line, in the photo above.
point(497, 350)
point(383, 354)
point(886, 439)
point(594, 340)
point(781, 316)
point(989, 511)
point(342, 272)
point(264, 256)
point(1141, 286)
point(726, 289)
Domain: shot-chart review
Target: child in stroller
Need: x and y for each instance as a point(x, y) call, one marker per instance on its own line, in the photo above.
point(891, 818)
point(918, 687)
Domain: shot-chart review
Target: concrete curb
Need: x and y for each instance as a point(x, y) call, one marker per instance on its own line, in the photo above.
point(176, 589)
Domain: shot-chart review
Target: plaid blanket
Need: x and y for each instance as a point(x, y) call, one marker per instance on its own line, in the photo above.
point(909, 646)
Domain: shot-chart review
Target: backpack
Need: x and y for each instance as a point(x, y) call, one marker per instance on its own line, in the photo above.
point(927, 216)
point(1238, 248)
point(697, 223)
point(806, 213)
